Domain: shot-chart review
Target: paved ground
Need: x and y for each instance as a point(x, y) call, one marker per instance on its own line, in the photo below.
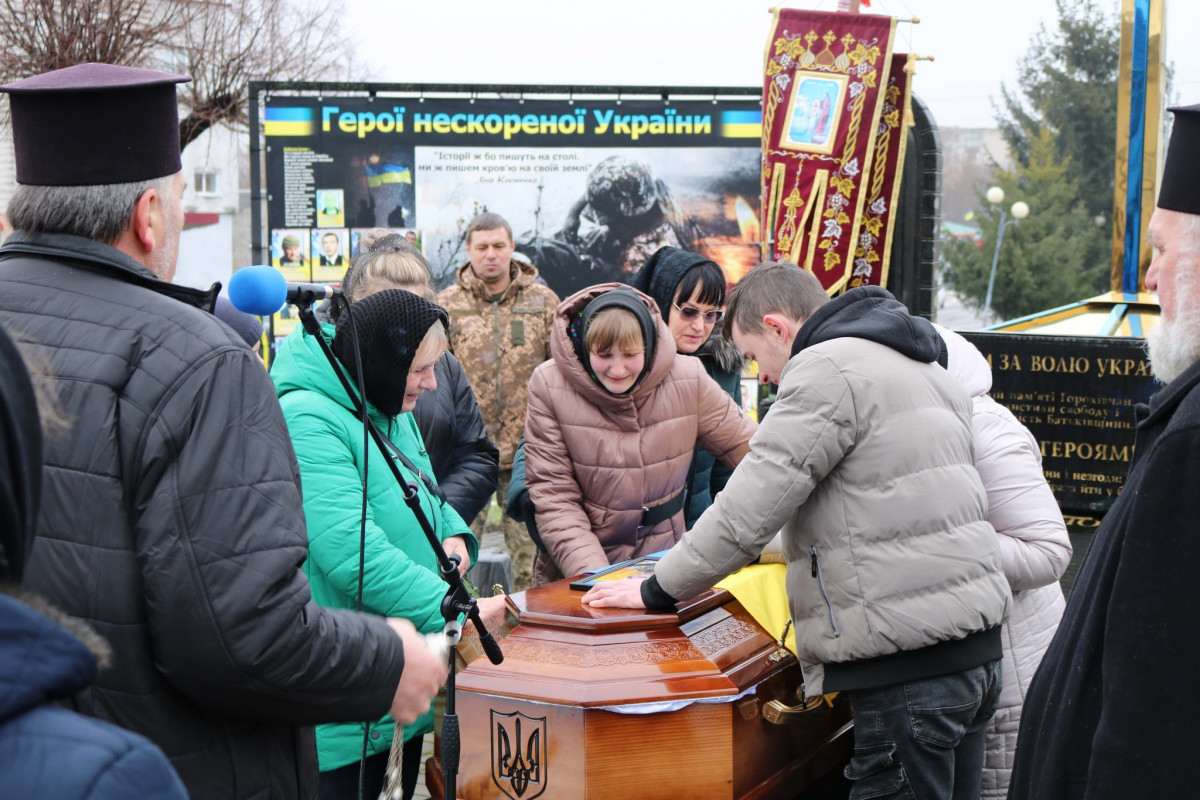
point(421, 794)
point(954, 314)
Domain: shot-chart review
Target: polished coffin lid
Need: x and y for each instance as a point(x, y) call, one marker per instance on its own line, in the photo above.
point(563, 651)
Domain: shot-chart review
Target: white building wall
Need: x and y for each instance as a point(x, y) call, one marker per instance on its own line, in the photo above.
point(206, 250)
point(8, 169)
point(204, 254)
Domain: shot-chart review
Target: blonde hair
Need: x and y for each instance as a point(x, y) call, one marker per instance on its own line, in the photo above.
point(613, 327)
point(397, 264)
point(433, 345)
point(368, 239)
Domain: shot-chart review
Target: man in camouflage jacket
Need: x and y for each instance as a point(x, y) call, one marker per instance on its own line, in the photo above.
point(500, 318)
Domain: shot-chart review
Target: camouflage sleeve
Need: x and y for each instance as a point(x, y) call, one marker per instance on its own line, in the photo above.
point(552, 302)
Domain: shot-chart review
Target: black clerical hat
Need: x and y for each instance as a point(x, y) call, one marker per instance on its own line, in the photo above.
point(95, 124)
point(1180, 188)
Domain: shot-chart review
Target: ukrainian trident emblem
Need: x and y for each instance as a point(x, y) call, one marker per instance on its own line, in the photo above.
point(519, 755)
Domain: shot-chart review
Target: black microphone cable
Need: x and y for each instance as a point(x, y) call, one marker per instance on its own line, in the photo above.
point(362, 529)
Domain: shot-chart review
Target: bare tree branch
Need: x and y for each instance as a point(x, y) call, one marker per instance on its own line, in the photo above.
point(41, 35)
point(222, 45)
point(230, 45)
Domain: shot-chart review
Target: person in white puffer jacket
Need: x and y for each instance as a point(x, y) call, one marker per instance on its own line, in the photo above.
point(1033, 543)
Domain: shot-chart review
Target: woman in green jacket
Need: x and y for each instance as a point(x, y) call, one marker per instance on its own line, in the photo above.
point(401, 336)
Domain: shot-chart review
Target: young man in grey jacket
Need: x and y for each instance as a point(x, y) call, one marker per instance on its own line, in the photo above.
point(894, 576)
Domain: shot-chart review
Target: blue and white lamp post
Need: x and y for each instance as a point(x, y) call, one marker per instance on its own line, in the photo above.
point(1020, 211)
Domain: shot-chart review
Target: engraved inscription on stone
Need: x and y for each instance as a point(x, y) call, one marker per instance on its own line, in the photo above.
point(1077, 396)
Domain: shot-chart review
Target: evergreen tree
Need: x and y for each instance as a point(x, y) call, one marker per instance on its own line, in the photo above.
point(1051, 258)
point(1068, 83)
point(1061, 127)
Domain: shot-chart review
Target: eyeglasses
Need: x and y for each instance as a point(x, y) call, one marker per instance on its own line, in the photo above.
point(689, 313)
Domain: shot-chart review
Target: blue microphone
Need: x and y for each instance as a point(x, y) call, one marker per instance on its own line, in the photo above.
point(263, 291)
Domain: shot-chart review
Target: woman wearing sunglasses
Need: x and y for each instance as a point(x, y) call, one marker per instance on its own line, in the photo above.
point(690, 292)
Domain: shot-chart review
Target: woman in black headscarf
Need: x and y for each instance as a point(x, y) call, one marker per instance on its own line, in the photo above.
point(400, 338)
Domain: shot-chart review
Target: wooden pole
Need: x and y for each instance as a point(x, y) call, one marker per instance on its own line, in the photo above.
point(1130, 248)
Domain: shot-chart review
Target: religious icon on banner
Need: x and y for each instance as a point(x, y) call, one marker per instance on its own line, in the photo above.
point(814, 112)
point(823, 92)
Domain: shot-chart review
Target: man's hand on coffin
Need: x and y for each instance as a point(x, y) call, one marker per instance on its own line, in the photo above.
point(625, 593)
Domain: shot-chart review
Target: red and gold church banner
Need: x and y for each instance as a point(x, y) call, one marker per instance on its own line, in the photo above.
point(874, 248)
point(823, 91)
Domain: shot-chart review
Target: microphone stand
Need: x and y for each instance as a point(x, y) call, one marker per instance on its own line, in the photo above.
point(457, 600)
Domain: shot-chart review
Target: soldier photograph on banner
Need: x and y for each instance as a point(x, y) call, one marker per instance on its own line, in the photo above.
point(824, 90)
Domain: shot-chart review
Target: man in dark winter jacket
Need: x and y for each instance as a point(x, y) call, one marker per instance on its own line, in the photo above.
point(45, 657)
point(464, 459)
point(866, 467)
point(1111, 712)
point(171, 515)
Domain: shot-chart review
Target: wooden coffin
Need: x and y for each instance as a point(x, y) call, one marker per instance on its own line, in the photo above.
point(539, 724)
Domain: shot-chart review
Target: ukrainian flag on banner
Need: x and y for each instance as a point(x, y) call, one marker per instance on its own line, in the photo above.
point(379, 174)
point(741, 124)
point(290, 122)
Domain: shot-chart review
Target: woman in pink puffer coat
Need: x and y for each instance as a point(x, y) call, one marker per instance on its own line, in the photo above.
point(606, 470)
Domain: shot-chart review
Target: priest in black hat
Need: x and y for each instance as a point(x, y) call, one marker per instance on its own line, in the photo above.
point(1112, 712)
point(171, 515)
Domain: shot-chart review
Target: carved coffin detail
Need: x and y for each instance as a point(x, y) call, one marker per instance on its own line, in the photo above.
point(539, 724)
point(652, 653)
point(724, 636)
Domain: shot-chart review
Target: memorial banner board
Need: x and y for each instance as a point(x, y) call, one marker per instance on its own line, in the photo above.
point(590, 186)
point(1077, 396)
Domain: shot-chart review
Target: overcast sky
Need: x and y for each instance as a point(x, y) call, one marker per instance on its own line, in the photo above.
point(976, 44)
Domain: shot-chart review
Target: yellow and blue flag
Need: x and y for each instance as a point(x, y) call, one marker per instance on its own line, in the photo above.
point(379, 174)
point(280, 121)
point(741, 124)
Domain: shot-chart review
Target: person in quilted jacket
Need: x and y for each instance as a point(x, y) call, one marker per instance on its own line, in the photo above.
point(612, 423)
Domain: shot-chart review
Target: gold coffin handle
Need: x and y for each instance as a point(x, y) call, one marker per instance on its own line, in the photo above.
point(779, 713)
